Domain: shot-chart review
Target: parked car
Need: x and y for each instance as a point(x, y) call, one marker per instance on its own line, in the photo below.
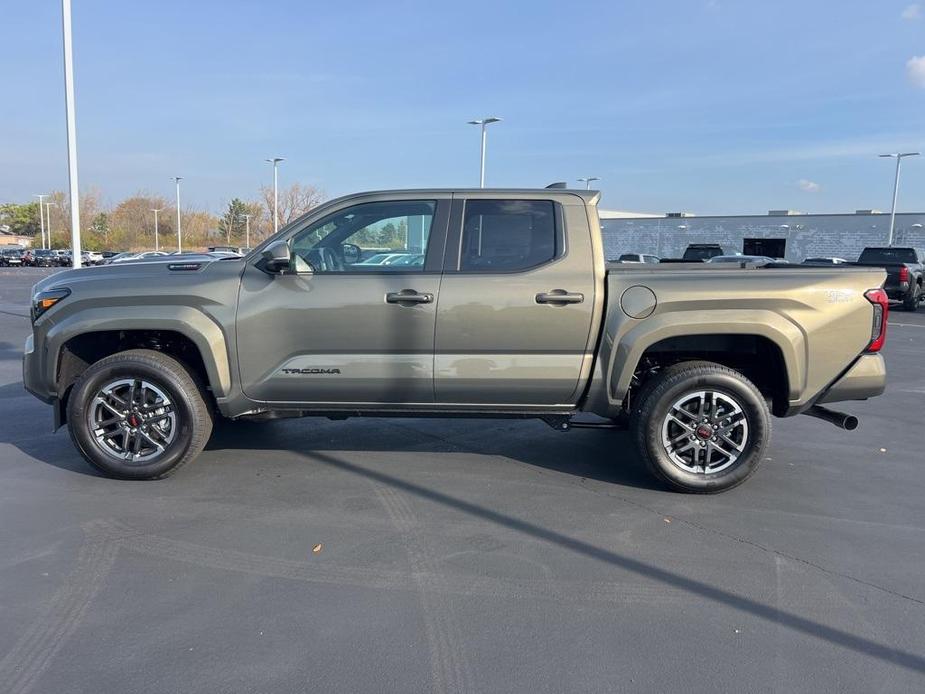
point(382, 259)
point(701, 252)
point(62, 257)
point(41, 257)
point(11, 257)
point(91, 258)
point(746, 259)
point(638, 258)
point(824, 261)
point(905, 272)
point(116, 257)
point(514, 313)
point(131, 257)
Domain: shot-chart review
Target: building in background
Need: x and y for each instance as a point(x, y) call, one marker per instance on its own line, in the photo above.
point(8, 238)
point(779, 234)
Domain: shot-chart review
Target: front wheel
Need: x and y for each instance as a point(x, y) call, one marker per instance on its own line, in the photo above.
point(701, 427)
point(138, 414)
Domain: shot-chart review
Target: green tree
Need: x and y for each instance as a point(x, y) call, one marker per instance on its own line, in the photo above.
point(22, 219)
point(232, 222)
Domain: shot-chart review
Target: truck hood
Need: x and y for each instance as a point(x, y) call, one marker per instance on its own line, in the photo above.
point(135, 273)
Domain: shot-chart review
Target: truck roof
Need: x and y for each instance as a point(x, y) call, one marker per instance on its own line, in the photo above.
point(590, 197)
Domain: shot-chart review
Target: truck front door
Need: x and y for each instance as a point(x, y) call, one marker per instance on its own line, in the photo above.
point(353, 319)
point(516, 303)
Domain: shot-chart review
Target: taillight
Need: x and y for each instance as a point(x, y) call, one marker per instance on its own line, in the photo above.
point(904, 274)
point(881, 305)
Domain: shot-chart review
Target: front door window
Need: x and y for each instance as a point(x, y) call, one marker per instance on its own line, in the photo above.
point(375, 237)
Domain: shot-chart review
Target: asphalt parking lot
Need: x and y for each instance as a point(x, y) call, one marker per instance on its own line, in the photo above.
point(462, 555)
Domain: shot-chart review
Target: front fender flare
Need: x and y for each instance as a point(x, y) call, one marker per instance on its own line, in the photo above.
point(189, 322)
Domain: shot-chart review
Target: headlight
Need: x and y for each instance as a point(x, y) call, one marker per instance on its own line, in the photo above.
point(43, 301)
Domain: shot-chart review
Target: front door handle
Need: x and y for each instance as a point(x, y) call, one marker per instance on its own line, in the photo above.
point(559, 296)
point(409, 296)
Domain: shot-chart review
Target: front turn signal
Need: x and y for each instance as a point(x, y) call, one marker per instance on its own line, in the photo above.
point(43, 301)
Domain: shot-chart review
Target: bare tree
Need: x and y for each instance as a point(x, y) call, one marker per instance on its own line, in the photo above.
point(294, 201)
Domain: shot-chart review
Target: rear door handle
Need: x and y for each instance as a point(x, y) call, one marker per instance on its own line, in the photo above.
point(559, 296)
point(409, 296)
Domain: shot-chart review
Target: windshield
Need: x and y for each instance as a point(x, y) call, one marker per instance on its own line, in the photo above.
point(887, 255)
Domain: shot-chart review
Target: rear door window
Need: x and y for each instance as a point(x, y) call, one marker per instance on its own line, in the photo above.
point(508, 235)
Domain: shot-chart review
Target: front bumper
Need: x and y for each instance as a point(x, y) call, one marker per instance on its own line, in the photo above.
point(865, 379)
point(32, 372)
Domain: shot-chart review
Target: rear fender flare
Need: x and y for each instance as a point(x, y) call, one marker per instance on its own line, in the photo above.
point(788, 337)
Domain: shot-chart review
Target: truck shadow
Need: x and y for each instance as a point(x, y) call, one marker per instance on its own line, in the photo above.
point(602, 455)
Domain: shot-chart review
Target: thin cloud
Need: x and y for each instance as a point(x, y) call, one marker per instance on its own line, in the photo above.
point(915, 71)
point(912, 13)
point(809, 186)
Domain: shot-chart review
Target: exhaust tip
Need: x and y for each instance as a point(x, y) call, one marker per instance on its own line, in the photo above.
point(840, 419)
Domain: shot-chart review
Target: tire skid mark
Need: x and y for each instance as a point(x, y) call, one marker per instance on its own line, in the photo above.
point(450, 668)
point(317, 572)
point(32, 654)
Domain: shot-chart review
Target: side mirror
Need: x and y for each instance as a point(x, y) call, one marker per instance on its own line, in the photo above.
point(277, 257)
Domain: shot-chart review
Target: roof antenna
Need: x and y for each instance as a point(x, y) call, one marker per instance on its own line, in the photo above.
point(558, 184)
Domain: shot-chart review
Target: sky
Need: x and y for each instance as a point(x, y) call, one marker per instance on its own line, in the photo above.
point(707, 106)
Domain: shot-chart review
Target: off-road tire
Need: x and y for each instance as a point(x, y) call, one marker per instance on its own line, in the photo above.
point(186, 391)
point(651, 407)
point(911, 302)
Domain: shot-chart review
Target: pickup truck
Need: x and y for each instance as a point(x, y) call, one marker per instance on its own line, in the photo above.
point(905, 271)
point(697, 253)
point(512, 313)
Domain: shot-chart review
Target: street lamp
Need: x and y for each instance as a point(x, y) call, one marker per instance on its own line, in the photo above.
point(483, 122)
point(275, 161)
point(587, 181)
point(71, 132)
point(48, 219)
point(157, 245)
point(177, 180)
point(41, 214)
point(899, 157)
point(247, 230)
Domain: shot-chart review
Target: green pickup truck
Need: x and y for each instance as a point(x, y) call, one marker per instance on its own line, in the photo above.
point(453, 303)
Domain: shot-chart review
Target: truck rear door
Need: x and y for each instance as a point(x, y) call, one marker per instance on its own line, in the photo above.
point(516, 302)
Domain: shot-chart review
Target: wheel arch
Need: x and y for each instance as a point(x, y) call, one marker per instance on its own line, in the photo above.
point(188, 335)
point(764, 346)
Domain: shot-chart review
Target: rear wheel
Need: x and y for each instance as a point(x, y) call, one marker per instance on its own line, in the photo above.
point(911, 302)
point(139, 414)
point(701, 427)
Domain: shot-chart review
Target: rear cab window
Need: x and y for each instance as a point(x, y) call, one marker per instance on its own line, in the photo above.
point(888, 255)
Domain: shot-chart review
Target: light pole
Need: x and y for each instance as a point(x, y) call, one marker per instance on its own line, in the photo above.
point(71, 132)
point(483, 122)
point(41, 214)
point(899, 157)
point(232, 219)
point(48, 217)
point(177, 180)
point(275, 161)
point(247, 231)
point(587, 181)
point(157, 245)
